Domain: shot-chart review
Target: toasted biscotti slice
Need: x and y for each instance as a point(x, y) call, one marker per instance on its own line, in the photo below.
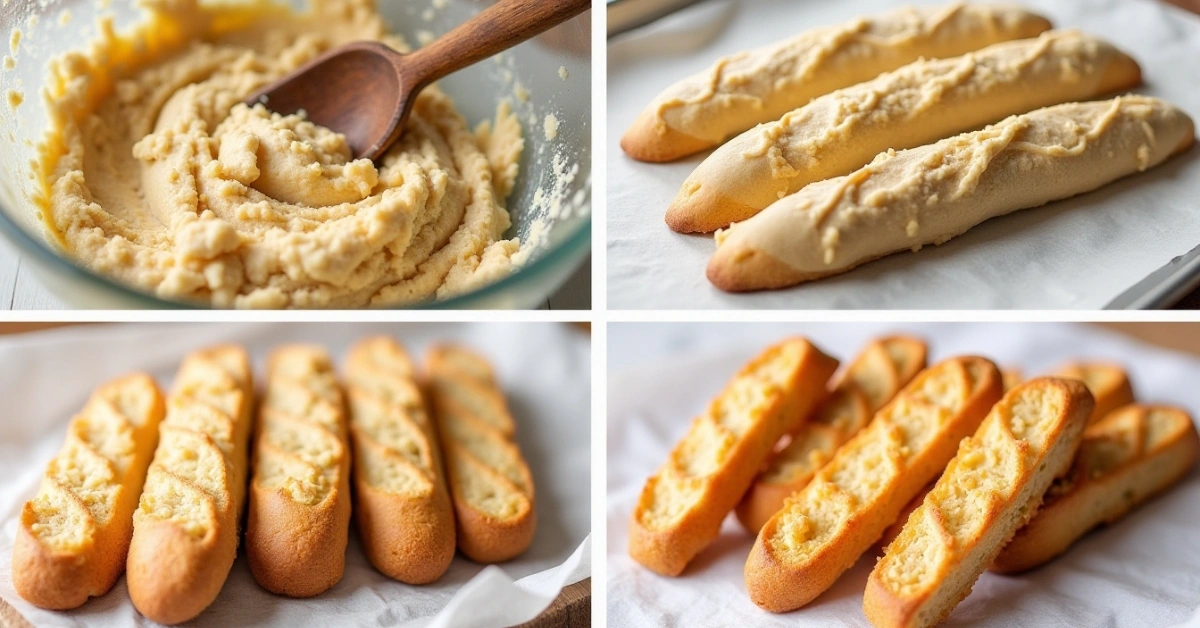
point(1125, 458)
point(74, 534)
point(299, 511)
point(490, 483)
point(1110, 389)
point(823, 529)
point(904, 200)
point(990, 489)
point(875, 376)
point(747, 88)
point(401, 503)
point(1108, 383)
point(185, 530)
point(922, 102)
point(682, 505)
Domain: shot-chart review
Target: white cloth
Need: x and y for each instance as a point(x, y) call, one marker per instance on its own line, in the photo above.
point(545, 370)
point(1077, 253)
point(1142, 571)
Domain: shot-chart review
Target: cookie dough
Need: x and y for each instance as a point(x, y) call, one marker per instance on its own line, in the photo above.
point(155, 174)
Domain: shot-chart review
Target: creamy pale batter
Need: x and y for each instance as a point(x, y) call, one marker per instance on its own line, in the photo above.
point(155, 174)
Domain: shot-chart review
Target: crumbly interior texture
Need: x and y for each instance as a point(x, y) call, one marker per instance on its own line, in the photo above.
point(906, 199)
point(870, 464)
point(714, 436)
point(154, 172)
point(196, 479)
point(393, 452)
point(82, 483)
point(989, 490)
point(300, 443)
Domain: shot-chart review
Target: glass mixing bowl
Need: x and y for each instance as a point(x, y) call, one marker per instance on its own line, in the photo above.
point(534, 66)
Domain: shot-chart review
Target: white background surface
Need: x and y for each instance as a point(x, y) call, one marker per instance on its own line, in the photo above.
point(546, 374)
point(1144, 571)
point(1077, 253)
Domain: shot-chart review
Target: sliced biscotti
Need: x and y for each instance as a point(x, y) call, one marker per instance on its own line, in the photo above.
point(490, 482)
point(74, 534)
point(299, 511)
point(989, 490)
point(919, 103)
point(185, 530)
point(876, 375)
point(1108, 383)
point(401, 503)
point(906, 199)
point(747, 88)
point(1125, 458)
point(1110, 389)
point(682, 505)
point(823, 529)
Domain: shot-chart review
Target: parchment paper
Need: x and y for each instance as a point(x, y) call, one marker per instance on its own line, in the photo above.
point(1076, 253)
point(1142, 572)
point(544, 369)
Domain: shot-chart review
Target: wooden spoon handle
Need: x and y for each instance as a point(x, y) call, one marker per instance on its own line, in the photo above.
point(496, 28)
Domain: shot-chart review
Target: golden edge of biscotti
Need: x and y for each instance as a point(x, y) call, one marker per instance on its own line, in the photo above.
point(667, 546)
point(58, 575)
point(407, 529)
point(818, 439)
point(937, 588)
point(653, 141)
point(484, 535)
point(778, 584)
point(296, 541)
point(1108, 383)
point(706, 205)
point(172, 573)
point(744, 269)
point(1086, 497)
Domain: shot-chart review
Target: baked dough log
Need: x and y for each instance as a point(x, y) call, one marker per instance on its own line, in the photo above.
point(185, 530)
point(73, 535)
point(490, 483)
point(917, 104)
point(760, 85)
point(906, 199)
point(990, 489)
point(401, 504)
point(1127, 457)
point(299, 511)
point(823, 529)
point(682, 505)
point(1108, 383)
point(876, 375)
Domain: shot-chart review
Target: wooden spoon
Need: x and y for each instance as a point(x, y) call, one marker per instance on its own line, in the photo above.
point(365, 90)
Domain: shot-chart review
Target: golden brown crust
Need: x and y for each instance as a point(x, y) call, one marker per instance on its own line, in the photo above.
point(682, 505)
point(721, 211)
point(990, 489)
point(61, 578)
point(644, 142)
point(824, 528)
point(1126, 458)
point(876, 375)
point(405, 518)
point(186, 529)
point(481, 452)
point(1108, 383)
point(296, 543)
